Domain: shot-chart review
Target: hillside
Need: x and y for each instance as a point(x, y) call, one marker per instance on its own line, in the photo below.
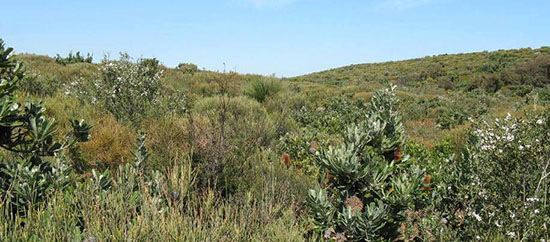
point(466, 71)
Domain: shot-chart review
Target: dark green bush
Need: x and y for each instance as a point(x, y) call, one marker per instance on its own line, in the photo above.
point(71, 59)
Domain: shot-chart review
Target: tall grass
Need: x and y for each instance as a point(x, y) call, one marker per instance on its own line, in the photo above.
point(165, 208)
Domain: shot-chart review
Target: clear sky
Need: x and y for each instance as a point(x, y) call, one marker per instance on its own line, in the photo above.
point(285, 37)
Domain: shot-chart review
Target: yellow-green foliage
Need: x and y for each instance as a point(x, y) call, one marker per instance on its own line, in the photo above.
point(111, 143)
point(167, 136)
point(118, 214)
point(247, 118)
point(441, 67)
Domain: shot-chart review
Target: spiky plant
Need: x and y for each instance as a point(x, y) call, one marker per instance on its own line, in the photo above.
point(262, 89)
point(371, 184)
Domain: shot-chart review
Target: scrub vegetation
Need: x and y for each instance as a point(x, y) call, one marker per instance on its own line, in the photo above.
point(441, 148)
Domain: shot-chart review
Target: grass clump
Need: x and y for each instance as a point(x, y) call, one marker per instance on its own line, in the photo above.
point(262, 89)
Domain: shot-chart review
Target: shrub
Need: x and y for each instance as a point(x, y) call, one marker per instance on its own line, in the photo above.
point(111, 144)
point(224, 130)
point(371, 185)
point(188, 68)
point(331, 115)
point(520, 90)
point(27, 176)
point(126, 89)
point(501, 180)
point(262, 89)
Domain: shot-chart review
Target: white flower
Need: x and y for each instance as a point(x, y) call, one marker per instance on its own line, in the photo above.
point(539, 121)
point(537, 211)
point(511, 234)
point(520, 147)
point(478, 218)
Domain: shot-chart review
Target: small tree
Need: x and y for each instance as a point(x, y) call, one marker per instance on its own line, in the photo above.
point(370, 184)
point(26, 176)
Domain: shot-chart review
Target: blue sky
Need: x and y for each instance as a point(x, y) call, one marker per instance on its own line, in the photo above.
point(285, 37)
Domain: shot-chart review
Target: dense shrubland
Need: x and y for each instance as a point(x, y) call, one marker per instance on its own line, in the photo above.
point(445, 148)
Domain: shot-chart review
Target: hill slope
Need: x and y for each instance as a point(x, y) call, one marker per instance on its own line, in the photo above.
point(489, 70)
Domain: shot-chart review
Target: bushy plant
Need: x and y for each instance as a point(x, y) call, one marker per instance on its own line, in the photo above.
point(371, 185)
point(261, 89)
point(125, 88)
point(188, 68)
point(224, 131)
point(500, 183)
point(27, 176)
point(331, 115)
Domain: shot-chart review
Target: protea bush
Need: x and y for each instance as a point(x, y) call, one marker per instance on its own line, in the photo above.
point(35, 165)
point(370, 184)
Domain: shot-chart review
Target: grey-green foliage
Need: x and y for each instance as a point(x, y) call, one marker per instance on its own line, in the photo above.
point(370, 185)
point(128, 89)
point(140, 153)
point(125, 88)
point(27, 175)
point(500, 180)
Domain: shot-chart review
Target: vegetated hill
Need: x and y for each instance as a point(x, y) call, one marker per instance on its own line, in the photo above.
point(488, 70)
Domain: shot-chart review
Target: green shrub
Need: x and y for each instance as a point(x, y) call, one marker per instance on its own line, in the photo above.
point(126, 89)
point(262, 89)
point(331, 115)
point(28, 177)
point(371, 186)
point(224, 131)
point(520, 90)
point(71, 59)
point(188, 68)
point(500, 181)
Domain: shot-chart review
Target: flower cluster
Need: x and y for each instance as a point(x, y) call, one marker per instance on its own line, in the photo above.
point(507, 165)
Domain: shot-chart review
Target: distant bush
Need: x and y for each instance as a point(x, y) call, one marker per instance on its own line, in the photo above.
point(520, 90)
point(126, 89)
point(332, 115)
point(261, 89)
point(72, 59)
point(188, 68)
